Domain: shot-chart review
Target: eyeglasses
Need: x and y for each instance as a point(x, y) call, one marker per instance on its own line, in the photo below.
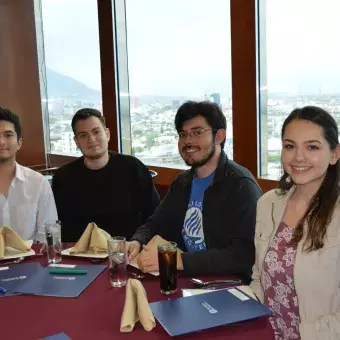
point(193, 134)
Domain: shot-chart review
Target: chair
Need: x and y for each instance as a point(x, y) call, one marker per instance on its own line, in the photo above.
point(153, 173)
point(45, 171)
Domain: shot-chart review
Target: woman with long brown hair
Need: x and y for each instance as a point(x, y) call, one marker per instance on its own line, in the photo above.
point(297, 268)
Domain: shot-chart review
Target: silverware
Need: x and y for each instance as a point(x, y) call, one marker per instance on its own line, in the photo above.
point(134, 275)
point(41, 251)
point(18, 260)
point(95, 260)
point(202, 283)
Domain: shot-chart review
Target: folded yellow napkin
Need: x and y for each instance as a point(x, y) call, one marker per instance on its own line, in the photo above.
point(136, 308)
point(152, 244)
point(93, 238)
point(9, 238)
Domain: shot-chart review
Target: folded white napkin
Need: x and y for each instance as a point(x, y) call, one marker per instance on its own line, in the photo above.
point(93, 239)
point(136, 308)
point(10, 238)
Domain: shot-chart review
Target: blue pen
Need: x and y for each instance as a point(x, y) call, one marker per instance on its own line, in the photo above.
point(3, 290)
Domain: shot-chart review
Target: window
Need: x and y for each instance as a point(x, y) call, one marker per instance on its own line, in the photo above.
point(168, 52)
point(299, 65)
point(69, 65)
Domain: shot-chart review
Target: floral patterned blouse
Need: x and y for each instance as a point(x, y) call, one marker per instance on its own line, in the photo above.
point(280, 295)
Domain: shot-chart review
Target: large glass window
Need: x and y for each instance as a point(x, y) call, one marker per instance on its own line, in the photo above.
point(299, 65)
point(168, 52)
point(69, 65)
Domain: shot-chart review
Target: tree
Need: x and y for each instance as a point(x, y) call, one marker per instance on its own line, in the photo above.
point(150, 139)
point(136, 149)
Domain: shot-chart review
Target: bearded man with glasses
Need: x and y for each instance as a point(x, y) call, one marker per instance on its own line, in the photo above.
point(209, 210)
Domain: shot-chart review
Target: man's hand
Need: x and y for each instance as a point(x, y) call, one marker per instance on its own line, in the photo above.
point(148, 260)
point(179, 261)
point(132, 249)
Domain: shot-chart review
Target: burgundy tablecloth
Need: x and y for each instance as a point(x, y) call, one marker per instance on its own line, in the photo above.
point(96, 314)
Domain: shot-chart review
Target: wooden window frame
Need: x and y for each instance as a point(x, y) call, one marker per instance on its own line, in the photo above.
point(244, 89)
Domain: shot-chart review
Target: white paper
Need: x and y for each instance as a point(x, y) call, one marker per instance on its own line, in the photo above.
point(4, 268)
point(238, 294)
point(60, 265)
point(190, 292)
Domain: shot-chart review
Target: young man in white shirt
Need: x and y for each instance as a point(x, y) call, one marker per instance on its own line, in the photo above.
point(26, 198)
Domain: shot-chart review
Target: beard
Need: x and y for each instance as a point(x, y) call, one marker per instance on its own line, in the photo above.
point(5, 159)
point(205, 159)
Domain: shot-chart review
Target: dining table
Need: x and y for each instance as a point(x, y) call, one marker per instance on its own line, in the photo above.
point(96, 313)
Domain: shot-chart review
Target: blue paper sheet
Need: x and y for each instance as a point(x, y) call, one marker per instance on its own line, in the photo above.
point(59, 336)
point(66, 285)
point(16, 275)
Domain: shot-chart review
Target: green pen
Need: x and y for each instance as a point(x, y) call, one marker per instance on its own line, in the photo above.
point(68, 271)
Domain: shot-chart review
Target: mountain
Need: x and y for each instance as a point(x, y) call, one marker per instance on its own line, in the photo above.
point(61, 86)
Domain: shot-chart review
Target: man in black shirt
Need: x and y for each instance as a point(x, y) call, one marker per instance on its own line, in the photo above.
point(113, 190)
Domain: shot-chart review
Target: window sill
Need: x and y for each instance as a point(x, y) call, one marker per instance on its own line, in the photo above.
point(165, 176)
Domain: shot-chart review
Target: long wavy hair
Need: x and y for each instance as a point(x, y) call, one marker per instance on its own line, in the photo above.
point(320, 211)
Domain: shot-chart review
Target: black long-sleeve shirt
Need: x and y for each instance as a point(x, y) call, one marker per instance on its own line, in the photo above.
point(229, 214)
point(118, 197)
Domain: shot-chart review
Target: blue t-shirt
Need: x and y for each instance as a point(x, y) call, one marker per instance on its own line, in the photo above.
point(192, 231)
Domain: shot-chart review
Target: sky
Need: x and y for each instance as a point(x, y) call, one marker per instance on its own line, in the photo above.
point(71, 39)
point(182, 47)
point(303, 49)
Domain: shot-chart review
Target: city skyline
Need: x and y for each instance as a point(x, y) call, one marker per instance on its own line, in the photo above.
point(152, 126)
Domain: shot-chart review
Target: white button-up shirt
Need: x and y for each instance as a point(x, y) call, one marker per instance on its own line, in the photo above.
point(29, 204)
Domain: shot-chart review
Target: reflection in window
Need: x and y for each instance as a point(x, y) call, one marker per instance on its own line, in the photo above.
point(69, 64)
point(169, 52)
point(299, 65)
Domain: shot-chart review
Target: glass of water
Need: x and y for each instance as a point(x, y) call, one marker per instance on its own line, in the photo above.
point(53, 241)
point(117, 256)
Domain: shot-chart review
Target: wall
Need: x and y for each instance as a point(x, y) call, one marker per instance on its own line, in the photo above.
point(19, 76)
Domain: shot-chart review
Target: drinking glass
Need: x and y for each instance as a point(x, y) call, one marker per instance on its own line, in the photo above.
point(117, 257)
point(167, 262)
point(53, 241)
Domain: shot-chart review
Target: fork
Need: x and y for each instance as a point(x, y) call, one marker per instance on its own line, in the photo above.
point(41, 251)
point(18, 260)
point(202, 284)
point(95, 260)
point(134, 275)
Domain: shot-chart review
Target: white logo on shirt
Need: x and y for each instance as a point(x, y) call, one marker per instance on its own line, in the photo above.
point(193, 225)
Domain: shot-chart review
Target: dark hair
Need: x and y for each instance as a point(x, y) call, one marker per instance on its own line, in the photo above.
point(84, 114)
point(210, 111)
point(320, 210)
point(9, 116)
